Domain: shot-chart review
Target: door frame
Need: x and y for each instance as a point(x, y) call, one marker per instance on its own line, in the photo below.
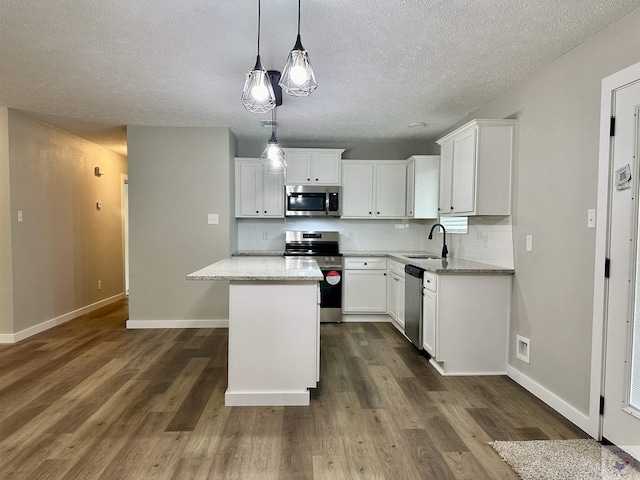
point(610, 84)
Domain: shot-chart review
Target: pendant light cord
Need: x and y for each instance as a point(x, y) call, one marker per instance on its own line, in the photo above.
point(258, 27)
point(298, 17)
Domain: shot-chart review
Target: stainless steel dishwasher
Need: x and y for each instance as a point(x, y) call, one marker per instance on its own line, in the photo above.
point(413, 304)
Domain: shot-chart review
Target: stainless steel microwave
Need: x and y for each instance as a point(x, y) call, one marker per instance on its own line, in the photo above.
point(312, 201)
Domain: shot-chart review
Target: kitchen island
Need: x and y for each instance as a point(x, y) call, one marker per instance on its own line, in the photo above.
point(274, 328)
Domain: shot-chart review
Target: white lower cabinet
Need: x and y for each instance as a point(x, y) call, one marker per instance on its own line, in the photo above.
point(466, 322)
point(395, 293)
point(365, 285)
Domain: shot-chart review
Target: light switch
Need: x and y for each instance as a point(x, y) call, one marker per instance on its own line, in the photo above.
point(20, 216)
point(591, 218)
point(529, 243)
point(212, 219)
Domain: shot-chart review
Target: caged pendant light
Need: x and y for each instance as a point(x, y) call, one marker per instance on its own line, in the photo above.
point(273, 156)
point(257, 94)
point(298, 78)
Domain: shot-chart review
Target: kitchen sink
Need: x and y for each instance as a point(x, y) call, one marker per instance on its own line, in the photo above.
point(423, 257)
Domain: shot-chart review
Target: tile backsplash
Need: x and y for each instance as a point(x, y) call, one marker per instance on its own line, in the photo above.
point(490, 239)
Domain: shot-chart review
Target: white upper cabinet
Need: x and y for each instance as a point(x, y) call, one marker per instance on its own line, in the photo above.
point(422, 186)
point(475, 169)
point(313, 166)
point(259, 192)
point(373, 189)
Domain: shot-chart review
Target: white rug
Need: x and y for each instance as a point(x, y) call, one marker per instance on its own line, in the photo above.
point(567, 460)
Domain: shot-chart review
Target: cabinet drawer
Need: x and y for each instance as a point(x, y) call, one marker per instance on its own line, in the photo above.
point(430, 281)
point(365, 263)
point(396, 267)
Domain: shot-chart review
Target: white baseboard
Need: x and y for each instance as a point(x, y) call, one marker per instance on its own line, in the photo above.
point(143, 324)
point(357, 317)
point(581, 420)
point(41, 327)
point(266, 399)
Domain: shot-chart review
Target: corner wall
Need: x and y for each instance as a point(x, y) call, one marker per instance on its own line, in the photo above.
point(176, 177)
point(555, 182)
point(6, 268)
point(65, 244)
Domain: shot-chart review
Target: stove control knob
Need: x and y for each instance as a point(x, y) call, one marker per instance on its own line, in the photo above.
point(333, 259)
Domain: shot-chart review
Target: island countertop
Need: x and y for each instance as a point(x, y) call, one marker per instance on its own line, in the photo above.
point(253, 268)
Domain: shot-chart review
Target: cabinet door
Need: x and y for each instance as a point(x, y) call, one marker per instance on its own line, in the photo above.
point(446, 165)
point(411, 195)
point(325, 168)
point(365, 291)
point(298, 167)
point(273, 194)
point(392, 295)
point(357, 190)
point(463, 192)
point(430, 320)
point(391, 185)
point(248, 189)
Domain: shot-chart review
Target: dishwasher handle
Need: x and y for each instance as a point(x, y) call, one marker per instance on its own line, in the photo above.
point(414, 271)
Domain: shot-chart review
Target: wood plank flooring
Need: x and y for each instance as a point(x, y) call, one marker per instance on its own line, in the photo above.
point(92, 400)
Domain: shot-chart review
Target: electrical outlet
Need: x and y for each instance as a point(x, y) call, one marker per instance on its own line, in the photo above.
point(213, 219)
point(99, 284)
point(529, 243)
point(19, 216)
point(591, 218)
point(485, 240)
point(265, 235)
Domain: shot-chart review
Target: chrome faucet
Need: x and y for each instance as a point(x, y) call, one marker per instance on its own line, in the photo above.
point(444, 239)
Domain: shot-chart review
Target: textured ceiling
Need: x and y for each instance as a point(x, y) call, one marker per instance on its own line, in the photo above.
point(91, 67)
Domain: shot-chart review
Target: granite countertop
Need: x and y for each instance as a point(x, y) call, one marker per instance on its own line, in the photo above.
point(437, 265)
point(260, 268)
point(258, 253)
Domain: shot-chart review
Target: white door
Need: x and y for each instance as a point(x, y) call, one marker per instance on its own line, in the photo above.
point(391, 190)
point(621, 420)
point(357, 190)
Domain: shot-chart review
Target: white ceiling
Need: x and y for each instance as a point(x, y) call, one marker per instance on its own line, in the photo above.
point(91, 67)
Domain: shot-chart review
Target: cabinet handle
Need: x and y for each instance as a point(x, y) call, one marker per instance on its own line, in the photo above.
point(452, 208)
point(385, 274)
point(369, 213)
point(365, 263)
point(308, 179)
point(316, 179)
point(265, 211)
point(257, 211)
point(438, 208)
point(377, 213)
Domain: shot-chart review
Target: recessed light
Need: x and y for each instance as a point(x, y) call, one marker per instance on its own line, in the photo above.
point(417, 125)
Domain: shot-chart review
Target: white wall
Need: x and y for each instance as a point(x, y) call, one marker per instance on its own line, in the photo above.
point(6, 267)
point(176, 177)
point(558, 111)
point(65, 244)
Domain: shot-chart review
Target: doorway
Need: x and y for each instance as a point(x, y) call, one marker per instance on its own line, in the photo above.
point(616, 334)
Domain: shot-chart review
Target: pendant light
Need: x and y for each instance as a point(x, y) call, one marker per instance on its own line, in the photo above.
point(257, 94)
point(273, 156)
point(298, 78)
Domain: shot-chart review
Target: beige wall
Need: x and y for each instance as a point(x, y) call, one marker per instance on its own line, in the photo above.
point(6, 268)
point(64, 245)
point(176, 177)
point(558, 112)
point(353, 150)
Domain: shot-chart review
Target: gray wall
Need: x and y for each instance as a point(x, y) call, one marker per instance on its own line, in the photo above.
point(353, 150)
point(176, 177)
point(558, 112)
point(65, 244)
point(6, 270)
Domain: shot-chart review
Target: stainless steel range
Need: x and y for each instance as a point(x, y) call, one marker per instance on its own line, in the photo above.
point(324, 248)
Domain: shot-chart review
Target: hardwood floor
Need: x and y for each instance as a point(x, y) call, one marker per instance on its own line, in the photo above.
point(92, 400)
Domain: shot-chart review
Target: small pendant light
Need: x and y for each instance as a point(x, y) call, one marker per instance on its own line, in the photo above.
point(273, 156)
point(257, 94)
point(298, 78)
